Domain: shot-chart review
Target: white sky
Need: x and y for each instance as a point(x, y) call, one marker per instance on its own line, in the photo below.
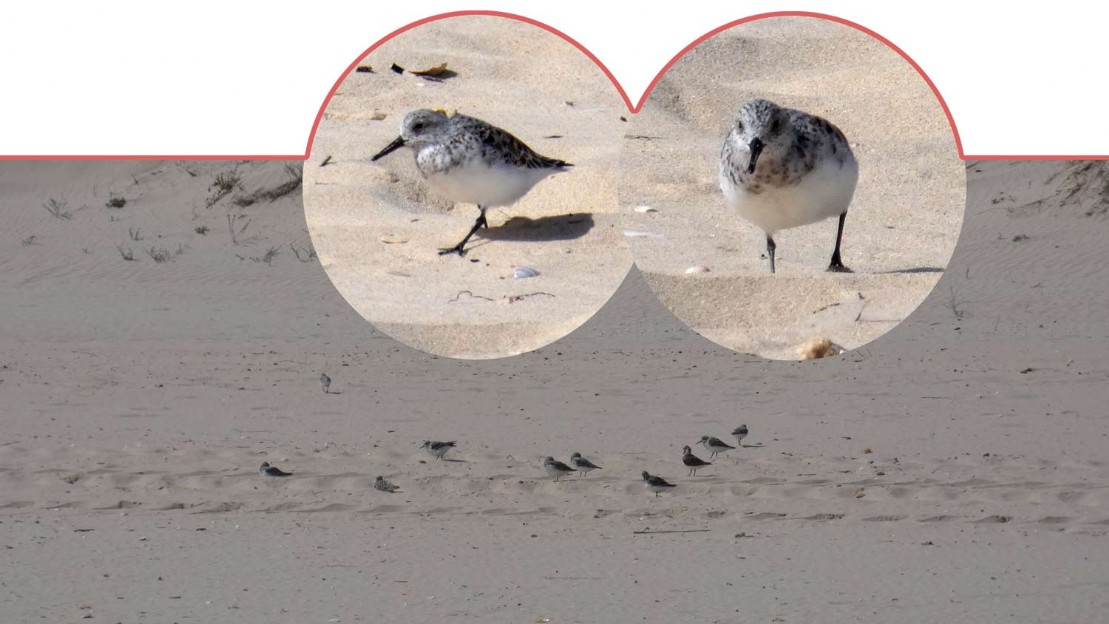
point(240, 78)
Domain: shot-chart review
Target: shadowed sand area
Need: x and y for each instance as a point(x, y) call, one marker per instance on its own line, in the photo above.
point(901, 227)
point(378, 226)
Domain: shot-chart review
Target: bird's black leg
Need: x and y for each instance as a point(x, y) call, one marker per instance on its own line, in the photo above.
point(770, 247)
point(460, 247)
point(836, 265)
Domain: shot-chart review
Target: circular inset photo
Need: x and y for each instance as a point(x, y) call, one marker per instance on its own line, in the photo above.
point(792, 188)
point(461, 187)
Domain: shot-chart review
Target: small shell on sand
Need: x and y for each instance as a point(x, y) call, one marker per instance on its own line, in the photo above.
point(390, 239)
point(522, 272)
point(638, 234)
point(819, 348)
point(696, 269)
point(644, 209)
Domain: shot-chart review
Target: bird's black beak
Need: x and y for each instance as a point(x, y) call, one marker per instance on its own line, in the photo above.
point(756, 149)
point(389, 148)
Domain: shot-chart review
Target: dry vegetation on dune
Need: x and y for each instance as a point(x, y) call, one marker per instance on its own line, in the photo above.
point(253, 202)
point(1078, 184)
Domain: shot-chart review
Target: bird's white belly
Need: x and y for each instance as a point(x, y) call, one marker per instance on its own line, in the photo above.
point(825, 192)
point(475, 182)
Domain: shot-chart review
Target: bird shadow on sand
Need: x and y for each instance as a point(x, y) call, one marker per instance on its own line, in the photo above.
point(553, 228)
point(913, 270)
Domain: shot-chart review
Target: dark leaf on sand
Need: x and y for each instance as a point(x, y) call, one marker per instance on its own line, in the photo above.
point(438, 70)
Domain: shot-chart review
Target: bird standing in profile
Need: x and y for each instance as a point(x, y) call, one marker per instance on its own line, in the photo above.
point(582, 464)
point(272, 471)
point(692, 461)
point(470, 161)
point(437, 449)
point(656, 484)
point(555, 468)
point(715, 446)
point(325, 383)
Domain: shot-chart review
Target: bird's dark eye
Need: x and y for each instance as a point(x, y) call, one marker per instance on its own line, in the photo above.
point(418, 126)
point(776, 126)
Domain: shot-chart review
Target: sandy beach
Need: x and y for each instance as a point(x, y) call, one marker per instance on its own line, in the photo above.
point(901, 226)
point(952, 470)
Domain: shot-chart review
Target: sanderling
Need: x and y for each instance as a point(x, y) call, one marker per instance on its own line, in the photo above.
point(739, 432)
point(325, 382)
point(437, 449)
point(714, 445)
point(582, 464)
point(556, 468)
point(272, 471)
point(655, 484)
point(782, 168)
point(692, 461)
point(385, 486)
point(470, 161)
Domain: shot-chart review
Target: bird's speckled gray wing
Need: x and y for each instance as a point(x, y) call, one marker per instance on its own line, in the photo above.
point(816, 138)
point(499, 146)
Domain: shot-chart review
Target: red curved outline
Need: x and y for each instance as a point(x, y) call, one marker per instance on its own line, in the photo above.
point(650, 87)
point(824, 16)
point(627, 101)
point(434, 18)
